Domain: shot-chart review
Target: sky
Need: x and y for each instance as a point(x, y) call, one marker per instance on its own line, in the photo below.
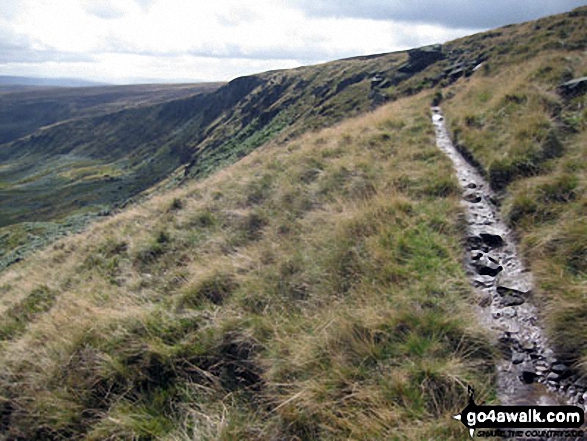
point(133, 41)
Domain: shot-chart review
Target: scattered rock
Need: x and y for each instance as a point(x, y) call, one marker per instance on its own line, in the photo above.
point(473, 197)
point(553, 376)
point(528, 376)
point(471, 185)
point(518, 357)
point(474, 243)
point(483, 282)
point(492, 240)
point(508, 284)
point(376, 81)
point(487, 266)
point(510, 313)
point(476, 255)
point(512, 300)
point(528, 346)
point(505, 344)
point(558, 368)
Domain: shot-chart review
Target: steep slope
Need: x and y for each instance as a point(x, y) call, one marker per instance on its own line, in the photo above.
point(313, 290)
point(68, 170)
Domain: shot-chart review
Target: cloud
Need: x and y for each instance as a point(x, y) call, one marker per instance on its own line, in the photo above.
point(451, 13)
point(161, 38)
point(104, 10)
point(20, 48)
point(145, 4)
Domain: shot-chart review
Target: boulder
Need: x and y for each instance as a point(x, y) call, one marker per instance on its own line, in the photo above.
point(508, 284)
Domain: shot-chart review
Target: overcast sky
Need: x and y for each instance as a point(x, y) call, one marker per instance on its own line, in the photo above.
point(126, 41)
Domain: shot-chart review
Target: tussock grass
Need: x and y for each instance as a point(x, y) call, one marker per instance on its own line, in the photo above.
point(311, 291)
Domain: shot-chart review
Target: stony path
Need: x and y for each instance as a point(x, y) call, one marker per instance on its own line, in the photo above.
point(528, 372)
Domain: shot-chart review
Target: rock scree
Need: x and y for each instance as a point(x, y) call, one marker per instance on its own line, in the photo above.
point(528, 373)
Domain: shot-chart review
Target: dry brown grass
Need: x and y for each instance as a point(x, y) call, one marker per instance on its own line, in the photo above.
point(311, 291)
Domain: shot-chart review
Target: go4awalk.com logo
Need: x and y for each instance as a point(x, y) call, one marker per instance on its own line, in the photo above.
point(522, 421)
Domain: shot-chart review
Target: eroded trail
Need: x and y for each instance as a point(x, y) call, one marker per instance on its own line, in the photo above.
point(528, 372)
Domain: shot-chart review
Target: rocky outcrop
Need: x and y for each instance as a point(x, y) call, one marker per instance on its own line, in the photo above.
point(421, 58)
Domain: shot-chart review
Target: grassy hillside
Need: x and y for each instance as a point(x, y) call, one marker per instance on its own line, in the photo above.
point(44, 193)
point(529, 138)
point(311, 291)
point(308, 285)
point(54, 178)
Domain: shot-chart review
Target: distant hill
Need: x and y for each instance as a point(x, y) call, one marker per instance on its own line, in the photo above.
point(7, 81)
point(281, 257)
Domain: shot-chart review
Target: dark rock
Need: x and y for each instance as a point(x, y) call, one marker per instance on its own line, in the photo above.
point(575, 87)
point(504, 290)
point(492, 240)
point(474, 243)
point(321, 91)
point(518, 357)
point(421, 58)
point(472, 196)
point(376, 81)
point(505, 344)
point(528, 376)
point(350, 81)
point(486, 266)
point(471, 185)
point(558, 368)
point(512, 300)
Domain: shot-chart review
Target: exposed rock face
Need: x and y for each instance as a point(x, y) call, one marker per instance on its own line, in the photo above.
point(421, 58)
